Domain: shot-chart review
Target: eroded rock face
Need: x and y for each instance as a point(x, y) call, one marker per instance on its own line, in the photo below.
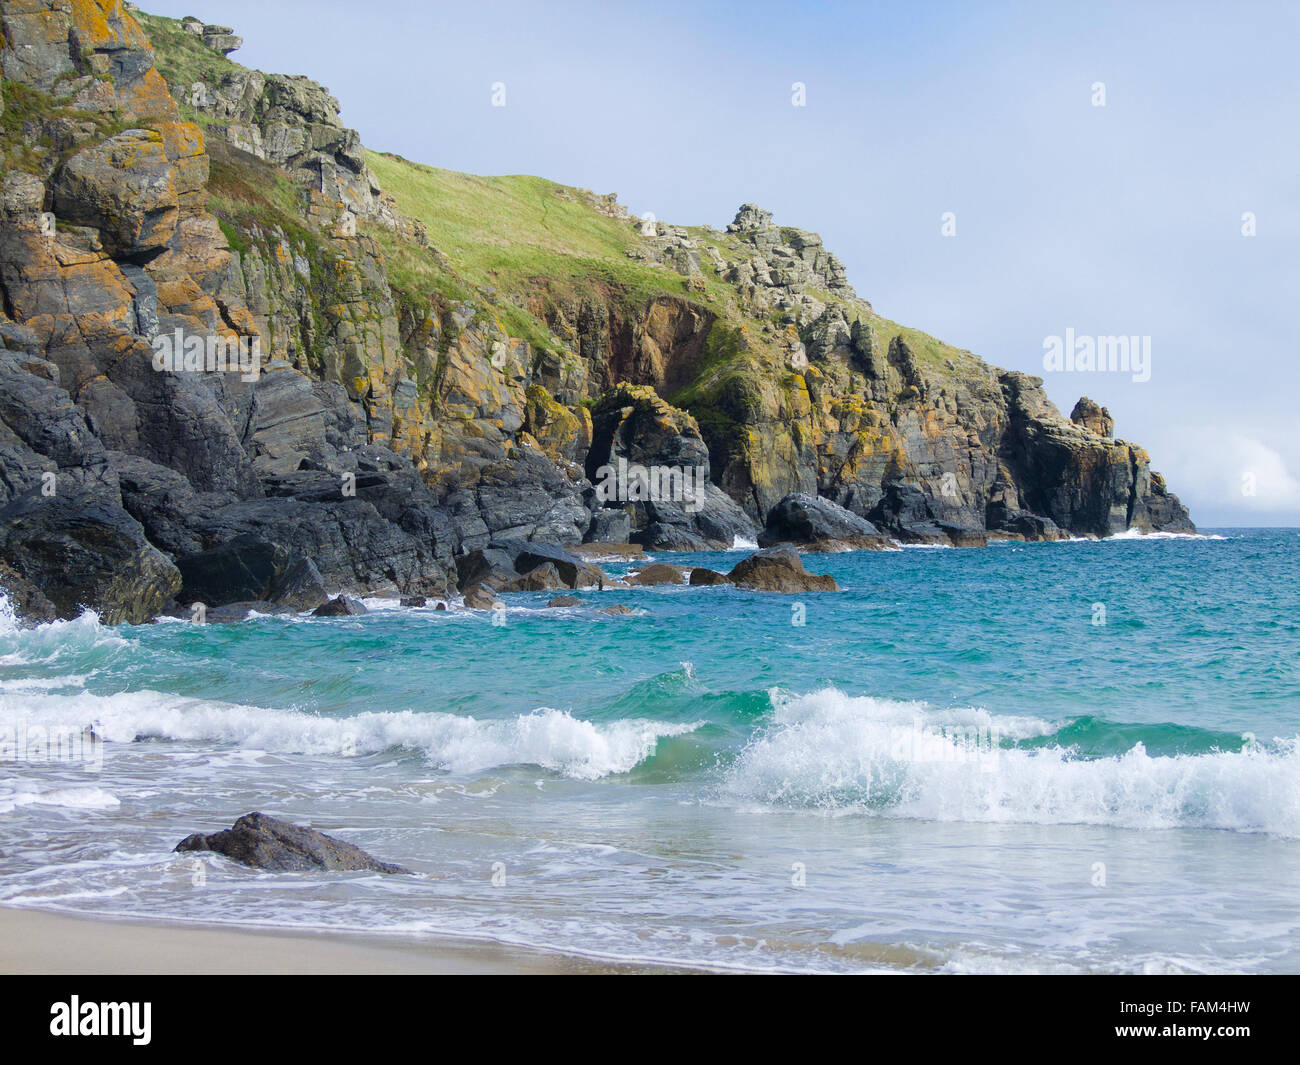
point(389, 433)
point(779, 569)
point(278, 846)
point(124, 187)
point(650, 461)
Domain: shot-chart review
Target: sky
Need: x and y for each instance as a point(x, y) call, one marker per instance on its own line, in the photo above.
point(1097, 168)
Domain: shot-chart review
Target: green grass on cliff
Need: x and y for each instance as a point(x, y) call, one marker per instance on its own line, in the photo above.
point(510, 232)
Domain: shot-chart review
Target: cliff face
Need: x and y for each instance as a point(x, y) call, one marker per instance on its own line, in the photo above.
point(445, 360)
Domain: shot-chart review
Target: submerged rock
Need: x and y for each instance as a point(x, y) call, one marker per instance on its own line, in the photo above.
point(269, 843)
point(779, 569)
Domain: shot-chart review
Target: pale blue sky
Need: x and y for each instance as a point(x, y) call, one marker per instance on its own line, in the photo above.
point(1123, 219)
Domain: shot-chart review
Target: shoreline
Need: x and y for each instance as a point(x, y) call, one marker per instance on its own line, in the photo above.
point(35, 942)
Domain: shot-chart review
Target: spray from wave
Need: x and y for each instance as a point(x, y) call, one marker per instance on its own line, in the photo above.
point(54, 641)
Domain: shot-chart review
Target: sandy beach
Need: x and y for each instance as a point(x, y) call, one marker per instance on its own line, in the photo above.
point(34, 942)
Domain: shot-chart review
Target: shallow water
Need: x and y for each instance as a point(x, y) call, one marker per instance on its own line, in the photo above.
point(958, 763)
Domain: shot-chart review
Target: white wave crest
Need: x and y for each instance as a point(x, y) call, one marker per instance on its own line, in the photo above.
point(13, 795)
point(549, 738)
point(831, 751)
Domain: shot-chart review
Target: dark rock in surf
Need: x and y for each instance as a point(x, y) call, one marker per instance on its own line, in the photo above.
point(269, 843)
point(341, 607)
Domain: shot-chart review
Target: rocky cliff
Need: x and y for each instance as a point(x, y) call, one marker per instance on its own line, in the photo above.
point(442, 361)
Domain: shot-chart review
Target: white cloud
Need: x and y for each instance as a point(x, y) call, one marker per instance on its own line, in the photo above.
point(1234, 472)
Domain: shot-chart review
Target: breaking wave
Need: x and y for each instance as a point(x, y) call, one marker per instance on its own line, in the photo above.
point(830, 751)
point(551, 739)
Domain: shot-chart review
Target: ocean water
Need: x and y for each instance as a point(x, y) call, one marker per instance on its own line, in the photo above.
point(1070, 757)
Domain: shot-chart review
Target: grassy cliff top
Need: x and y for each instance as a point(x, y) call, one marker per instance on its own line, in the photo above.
point(526, 239)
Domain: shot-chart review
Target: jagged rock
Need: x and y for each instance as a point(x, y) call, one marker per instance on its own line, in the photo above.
point(278, 846)
point(572, 570)
point(750, 217)
point(702, 577)
point(507, 565)
point(653, 457)
point(1093, 417)
point(221, 39)
point(83, 550)
point(492, 567)
point(564, 600)
point(658, 573)
point(779, 569)
point(412, 600)
point(341, 606)
point(616, 611)
point(817, 524)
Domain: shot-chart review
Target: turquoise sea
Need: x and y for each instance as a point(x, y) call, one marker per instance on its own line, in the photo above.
point(1079, 756)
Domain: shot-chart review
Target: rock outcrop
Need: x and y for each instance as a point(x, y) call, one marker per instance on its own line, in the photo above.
point(394, 412)
point(269, 843)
